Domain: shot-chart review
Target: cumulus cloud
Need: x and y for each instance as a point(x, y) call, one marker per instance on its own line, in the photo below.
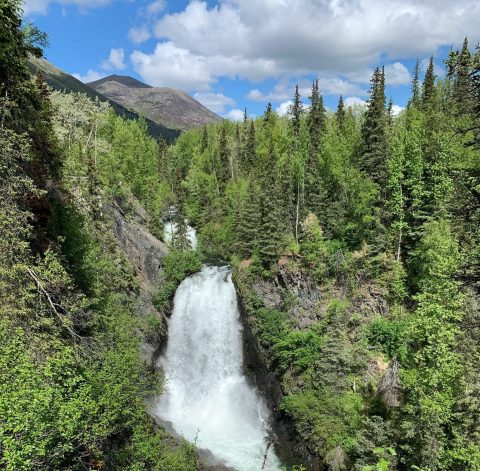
point(354, 101)
point(234, 115)
point(256, 40)
point(156, 7)
point(172, 66)
point(115, 61)
point(396, 110)
point(139, 35)
point(284, 89)
point(41, 6)
point(284, 107)
point(217, 102)
point(397, 74)
point(90, 76)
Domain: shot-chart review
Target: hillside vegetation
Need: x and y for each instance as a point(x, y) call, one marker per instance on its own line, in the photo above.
point(356, 240)
point(72, 384)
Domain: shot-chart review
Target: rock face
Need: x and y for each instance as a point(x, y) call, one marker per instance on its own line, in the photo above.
point(292, 290)
point(146, 254)
point(291, 449)
point(171, 108)
point(305, 294)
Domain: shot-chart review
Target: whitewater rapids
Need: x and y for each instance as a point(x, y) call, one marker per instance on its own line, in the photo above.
point(207, 397)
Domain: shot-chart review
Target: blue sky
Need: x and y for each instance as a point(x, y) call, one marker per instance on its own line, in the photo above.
point(232, 54)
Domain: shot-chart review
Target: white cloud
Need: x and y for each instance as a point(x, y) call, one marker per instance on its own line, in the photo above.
point(90, 76)
point(282, 110)
point(170, 65)
point(115, 61)
point(396, 110)
point(354, 101)
point(156, 7)
point(41, 6)
point(397, 74)
point(139, 34)
point(266, 38)
point(234, 115)
point(285, 88)
point(217, 102)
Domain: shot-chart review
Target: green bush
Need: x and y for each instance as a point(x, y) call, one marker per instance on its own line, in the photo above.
point(388, 335)
point(298, 349)
point(177, 265)
point(271, 325)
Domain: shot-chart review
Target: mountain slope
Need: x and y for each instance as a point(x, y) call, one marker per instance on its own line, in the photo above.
point(172, 108)
point(60, 80)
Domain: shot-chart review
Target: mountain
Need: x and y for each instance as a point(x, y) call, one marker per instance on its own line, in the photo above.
point(60, 80)
point(172, 108)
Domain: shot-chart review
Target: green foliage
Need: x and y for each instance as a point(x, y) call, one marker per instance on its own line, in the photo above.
point(380, 212)
point(271, 325)
point(298, 349)
point(314, 247)
point(389, 335)
point(326, 417)
point(177, 265)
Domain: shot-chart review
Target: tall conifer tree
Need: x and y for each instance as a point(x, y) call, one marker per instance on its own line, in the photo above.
point(415, 98)
point(296, 111)
point(429, 91)
point(340, 113)
point(375, 131)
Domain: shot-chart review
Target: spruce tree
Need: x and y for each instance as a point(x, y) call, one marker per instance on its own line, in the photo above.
point(204, 141)
point(429, 91)
point(296, 111)
point(267, 117)
point(462, 84)
point(250, 158)
point(340, 114)
point(316, 118)
point(415, 98)
point(390, 112)
point(314, 193)
point(225, 164)
point(248, 222)
point(374, 131)
point(270, 237)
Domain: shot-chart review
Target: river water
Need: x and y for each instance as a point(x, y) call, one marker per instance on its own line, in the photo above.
point(207, 397)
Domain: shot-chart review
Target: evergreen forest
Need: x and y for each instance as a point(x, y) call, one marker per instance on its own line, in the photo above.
point(380, 213)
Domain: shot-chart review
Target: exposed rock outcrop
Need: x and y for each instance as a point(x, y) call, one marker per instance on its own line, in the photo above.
point(293, 291)
point(145, 253)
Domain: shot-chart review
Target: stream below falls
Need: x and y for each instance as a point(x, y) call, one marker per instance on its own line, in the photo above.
point(207, 397)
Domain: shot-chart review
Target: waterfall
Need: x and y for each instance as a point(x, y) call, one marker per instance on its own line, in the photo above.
point(207, 398)
point(171, 229)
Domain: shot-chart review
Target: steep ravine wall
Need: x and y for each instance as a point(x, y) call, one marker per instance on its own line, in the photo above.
point(145, 253)
point(290, 447)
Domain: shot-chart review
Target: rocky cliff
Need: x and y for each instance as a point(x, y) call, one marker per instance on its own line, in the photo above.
point(145, 253)
point(306, 305)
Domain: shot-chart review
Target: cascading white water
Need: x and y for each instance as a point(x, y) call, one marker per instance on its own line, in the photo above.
point(171, 229)
point(207, 397)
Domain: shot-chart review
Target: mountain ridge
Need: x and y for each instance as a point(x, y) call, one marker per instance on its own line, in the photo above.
point(125, 80)
point(62, 81)
point(173, 108)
